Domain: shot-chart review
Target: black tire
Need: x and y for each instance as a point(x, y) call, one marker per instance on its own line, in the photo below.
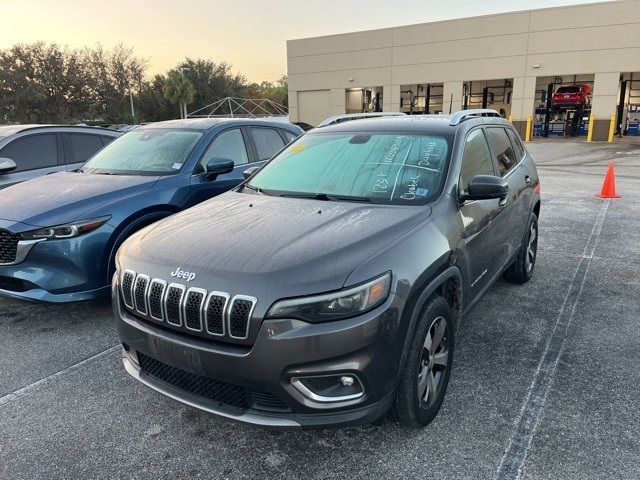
point(521, 270)
point(410, 408)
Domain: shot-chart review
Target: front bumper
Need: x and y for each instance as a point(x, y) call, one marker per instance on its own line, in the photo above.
point(62, 270)
point(369, 347)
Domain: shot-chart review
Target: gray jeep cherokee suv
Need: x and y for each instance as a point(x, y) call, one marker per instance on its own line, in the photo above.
point(327, 289)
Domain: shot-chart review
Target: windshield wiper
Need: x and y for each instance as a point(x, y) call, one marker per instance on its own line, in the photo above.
point(325, 197)
point(256, 189)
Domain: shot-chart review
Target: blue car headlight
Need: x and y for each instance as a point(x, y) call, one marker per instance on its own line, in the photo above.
point(344, 303)
point(68, 230)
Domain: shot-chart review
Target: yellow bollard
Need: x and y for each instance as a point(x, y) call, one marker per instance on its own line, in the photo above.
point(527, 134)
point(612, 127)
point(510, 118)
point(592, 121)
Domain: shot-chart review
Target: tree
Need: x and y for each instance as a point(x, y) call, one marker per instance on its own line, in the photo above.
point(42, 84)
point(277, 92)
point(178, 89)
point(212, 81)
point(113, 76)
point(151, 104)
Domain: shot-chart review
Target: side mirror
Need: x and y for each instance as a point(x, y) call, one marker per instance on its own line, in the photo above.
point(7, 165)
point(249, 171)
point(486, 187)
point(218, 166)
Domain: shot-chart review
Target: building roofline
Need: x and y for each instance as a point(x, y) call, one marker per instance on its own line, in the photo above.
point(454, 19)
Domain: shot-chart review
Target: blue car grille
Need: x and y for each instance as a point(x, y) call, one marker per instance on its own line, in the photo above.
point(8, 246)
point(193, 310)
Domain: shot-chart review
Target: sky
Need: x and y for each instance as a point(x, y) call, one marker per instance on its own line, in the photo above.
point(250, 35)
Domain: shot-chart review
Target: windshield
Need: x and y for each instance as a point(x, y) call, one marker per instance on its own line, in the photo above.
point(152, 151)
point(381, 168)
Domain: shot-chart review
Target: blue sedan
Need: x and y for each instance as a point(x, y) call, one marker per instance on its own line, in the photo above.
point(59, 233)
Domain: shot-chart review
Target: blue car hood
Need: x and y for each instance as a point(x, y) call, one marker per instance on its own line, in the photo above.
point(63, 197)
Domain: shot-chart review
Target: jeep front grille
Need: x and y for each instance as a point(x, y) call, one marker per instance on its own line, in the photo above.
point(213, 313)
point(8, 246)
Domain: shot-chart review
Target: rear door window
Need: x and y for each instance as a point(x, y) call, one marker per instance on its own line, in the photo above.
point(289, 136)
point(79, 147)
point(502, 148)
point(107, 140)
point(267, 141)
point(517, 144)
point(33, 151)
point(476, 158)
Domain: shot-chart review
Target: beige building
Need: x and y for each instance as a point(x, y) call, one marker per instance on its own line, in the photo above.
point(507, 61)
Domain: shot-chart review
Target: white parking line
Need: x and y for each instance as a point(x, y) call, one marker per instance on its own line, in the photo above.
point(42, 382)
point(510, 467)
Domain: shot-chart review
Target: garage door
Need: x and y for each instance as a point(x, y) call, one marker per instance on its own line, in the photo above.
point(314, 106)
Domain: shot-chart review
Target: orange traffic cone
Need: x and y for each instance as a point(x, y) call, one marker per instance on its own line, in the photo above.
point(609, 184)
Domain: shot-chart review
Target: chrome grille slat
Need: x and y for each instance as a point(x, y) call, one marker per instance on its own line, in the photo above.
point(156, 299)
point(140, 293)
point(214, 313)
point(239, 314)
point(126, 286)
point(173, 304)
point(192, 308)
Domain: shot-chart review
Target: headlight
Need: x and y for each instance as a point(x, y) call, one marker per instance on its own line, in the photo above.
point(333, 306)
point(68, 230)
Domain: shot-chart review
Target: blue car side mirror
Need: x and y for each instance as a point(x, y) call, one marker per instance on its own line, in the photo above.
point(219, 166)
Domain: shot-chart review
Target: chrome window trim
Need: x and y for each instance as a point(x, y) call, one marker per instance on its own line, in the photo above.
point(166, 295)
point(183, 307)
point(162, 312)
point(224, 312)
point(133, 282)
point(144, 296)
point(253, 301)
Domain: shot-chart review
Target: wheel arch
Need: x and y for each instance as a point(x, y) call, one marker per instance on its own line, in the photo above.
point(447, 283)
point(132, 224)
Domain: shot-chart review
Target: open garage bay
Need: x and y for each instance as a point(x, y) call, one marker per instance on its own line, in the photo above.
point(545, 385)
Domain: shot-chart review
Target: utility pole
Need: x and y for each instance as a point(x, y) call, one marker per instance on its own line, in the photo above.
point(183, 103)
point(133, 113)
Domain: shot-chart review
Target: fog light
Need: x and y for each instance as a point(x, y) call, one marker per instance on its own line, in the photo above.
point(346, 381)
point(329, 388)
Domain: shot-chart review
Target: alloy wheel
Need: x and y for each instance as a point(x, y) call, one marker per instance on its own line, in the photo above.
point(532, 246)
point(434, 362)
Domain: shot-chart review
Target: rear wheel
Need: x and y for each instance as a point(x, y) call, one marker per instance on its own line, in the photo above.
point(425, 376)
point(521, 269)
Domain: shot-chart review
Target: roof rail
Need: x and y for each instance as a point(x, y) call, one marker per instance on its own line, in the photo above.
point(462, 115)
point(356, 116)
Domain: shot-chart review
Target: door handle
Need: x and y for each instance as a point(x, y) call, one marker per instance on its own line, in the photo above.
point(527, 179)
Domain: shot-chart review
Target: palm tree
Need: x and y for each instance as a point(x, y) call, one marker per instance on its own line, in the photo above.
point(178, 89)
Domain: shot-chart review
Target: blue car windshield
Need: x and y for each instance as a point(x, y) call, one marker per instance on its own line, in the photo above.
point(148, 151)
point(384, 168)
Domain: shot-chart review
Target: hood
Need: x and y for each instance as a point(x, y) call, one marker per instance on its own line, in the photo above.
point(267, 247)
point(63, 197)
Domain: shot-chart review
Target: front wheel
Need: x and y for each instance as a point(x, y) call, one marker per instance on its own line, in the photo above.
point(521, 269)
point(425, 376)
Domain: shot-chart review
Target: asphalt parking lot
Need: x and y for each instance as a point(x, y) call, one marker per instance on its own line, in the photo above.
point(546, 379)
